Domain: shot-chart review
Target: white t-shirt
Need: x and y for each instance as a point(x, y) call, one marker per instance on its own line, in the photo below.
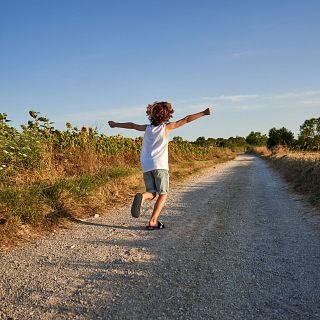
point(154, 152)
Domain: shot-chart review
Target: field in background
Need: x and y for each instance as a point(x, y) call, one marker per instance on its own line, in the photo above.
point(301, 169)
point(49, 178)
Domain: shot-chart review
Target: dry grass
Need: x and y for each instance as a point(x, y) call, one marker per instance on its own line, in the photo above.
point(302, 170)
point(261, 151)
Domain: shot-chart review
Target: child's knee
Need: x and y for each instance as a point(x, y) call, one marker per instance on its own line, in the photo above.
point(163, 195)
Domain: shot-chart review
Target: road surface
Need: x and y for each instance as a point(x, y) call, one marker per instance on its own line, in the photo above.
point(237, 245)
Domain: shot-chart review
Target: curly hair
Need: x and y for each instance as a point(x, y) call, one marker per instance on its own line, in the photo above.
point(159, 112)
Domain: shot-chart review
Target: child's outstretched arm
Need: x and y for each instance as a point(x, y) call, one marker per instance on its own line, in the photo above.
point(187, 119)
point(127, 125)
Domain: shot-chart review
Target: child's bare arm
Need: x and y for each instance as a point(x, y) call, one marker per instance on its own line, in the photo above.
point(187, 119)
point(127, 125)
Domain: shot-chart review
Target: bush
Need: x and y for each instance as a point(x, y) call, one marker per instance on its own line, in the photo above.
point(22, 151)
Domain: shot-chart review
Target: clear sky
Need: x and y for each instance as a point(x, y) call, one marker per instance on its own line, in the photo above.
point(87, 62)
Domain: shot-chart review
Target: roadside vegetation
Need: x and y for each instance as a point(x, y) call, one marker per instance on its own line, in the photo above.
point(298, 160)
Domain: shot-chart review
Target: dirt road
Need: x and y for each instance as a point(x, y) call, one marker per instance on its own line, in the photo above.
point(237, 245)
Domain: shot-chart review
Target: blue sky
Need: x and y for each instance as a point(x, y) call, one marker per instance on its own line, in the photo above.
point(88, 62)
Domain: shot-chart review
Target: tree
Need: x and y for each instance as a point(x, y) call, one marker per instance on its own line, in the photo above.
point(177, 139)
point(221, 142)
point(280, 137)
point(309, 136)
point(256, 139)
point(237, 141)
point(211, 142)
point(201, 141)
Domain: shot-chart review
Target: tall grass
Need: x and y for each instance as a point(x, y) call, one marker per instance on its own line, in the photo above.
point(302, 169)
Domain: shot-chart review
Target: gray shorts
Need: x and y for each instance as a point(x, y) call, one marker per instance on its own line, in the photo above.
point(157, 181)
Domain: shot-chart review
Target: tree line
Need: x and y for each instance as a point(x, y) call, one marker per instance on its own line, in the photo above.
point(308, 138)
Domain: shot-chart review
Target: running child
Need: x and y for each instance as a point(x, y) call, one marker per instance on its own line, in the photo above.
point(154, 156)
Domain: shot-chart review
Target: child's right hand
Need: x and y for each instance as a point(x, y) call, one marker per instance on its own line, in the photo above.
point(112, 124)
point(208, 111)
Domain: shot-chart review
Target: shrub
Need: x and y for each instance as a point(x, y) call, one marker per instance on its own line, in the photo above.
point(22, 151)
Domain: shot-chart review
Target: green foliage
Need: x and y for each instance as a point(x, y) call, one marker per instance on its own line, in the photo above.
point(221, 142)
point(21, 151)
point(177, 139)
point(280, 136)
point(256, 139)
point(5, 130)
point(234, 143)
point(23, 202)
point(201, 141)
point(309, 136)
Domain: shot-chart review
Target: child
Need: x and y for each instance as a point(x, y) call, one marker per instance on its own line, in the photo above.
point(154, 156)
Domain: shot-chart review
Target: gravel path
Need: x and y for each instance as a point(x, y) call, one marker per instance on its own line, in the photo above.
point(237, 245)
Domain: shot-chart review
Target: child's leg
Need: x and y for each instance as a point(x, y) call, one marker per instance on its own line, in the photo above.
point(139, 198)
point(148, 196)
point(157, 209)
point(138, 201)
point(161, 178)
